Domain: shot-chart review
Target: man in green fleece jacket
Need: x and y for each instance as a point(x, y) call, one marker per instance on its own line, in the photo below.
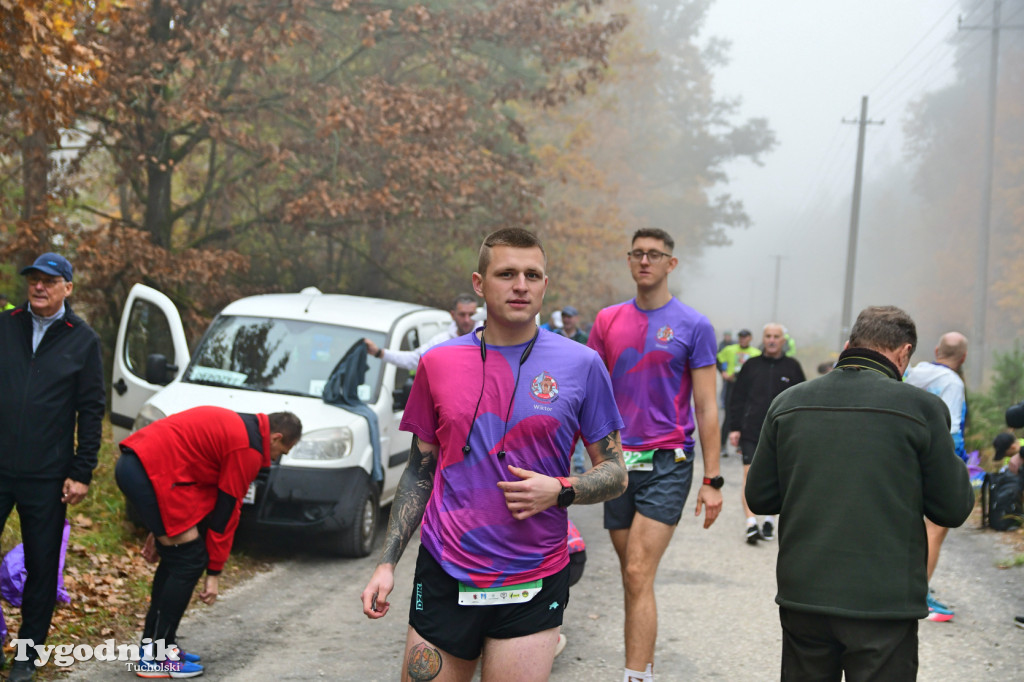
point(854, 461)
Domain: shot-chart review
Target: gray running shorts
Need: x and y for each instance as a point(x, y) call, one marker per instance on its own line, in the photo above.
point(659, 494)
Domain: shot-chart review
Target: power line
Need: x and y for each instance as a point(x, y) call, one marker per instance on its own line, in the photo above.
point(925, 79)
point(939, 22)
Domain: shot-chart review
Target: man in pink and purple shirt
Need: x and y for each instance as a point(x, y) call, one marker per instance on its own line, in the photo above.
point(659, 352)
point(494, 417)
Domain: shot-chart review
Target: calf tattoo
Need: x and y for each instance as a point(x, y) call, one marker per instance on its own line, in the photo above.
point(424, 662)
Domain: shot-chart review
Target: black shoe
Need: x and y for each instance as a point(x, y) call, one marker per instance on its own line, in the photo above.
point(1019, 621)
point(767, 531)
point(22, 671)
point(753, 534)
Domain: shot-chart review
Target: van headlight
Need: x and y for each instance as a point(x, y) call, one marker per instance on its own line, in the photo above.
point(146, 416)
point(333, 443)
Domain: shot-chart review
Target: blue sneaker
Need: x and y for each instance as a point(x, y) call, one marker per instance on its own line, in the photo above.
point(177, 670)
point(186, 656)
point(937, 611)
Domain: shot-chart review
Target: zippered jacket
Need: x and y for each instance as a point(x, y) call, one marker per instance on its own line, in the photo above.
point(761, 380)
point(201, 462)
point(44, 395)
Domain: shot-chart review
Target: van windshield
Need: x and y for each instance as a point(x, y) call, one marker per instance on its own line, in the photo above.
point(292, 357)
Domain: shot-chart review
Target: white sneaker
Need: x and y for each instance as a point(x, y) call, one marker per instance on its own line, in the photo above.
point(560, 647)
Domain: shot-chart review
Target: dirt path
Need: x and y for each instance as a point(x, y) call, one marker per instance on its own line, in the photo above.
point(718, 620)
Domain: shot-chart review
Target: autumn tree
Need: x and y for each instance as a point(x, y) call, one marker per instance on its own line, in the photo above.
point(647, 148)
point(364, 147)
point(48, 69)
point(946, 145)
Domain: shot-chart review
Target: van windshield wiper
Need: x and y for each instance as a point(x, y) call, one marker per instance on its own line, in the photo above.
point(285, 391)
point(222, 384)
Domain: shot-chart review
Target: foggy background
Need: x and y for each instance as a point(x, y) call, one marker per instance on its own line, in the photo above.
point(805, 65)
point(368, 148)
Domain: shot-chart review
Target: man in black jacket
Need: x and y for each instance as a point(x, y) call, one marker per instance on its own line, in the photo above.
point(51, 384)
point(763, 377)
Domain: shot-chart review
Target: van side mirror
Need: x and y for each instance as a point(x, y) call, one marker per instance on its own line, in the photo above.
point(158, 371)
point(400, 396)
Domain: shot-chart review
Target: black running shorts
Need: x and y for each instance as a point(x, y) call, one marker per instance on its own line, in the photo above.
point(435, 612)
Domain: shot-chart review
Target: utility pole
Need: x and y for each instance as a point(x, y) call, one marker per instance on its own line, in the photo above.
point(851, 245)
point(775, 300)
point(979, 355)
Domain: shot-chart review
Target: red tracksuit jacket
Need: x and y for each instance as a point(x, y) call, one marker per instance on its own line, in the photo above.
point(192, 458)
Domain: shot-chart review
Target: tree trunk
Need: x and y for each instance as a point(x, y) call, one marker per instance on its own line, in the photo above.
point(35, 169)
point(158, 204)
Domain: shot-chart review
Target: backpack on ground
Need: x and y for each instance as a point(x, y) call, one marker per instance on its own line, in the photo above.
point(1001, 507)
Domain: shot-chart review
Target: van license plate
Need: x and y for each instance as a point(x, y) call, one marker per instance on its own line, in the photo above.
point(250, 494)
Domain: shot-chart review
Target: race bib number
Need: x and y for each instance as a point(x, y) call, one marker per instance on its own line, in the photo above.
point(471, 595)
point(643, 460)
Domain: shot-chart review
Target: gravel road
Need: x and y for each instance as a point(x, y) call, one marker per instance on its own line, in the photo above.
point(718, 620)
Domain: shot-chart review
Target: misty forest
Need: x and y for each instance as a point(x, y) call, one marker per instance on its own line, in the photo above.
point(212, 149)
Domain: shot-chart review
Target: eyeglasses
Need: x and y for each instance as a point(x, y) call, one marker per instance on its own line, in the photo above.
point(652, 255)
point(48, 282)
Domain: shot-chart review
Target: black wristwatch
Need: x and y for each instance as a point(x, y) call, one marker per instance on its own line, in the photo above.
point(568, 494)
point(717, 482)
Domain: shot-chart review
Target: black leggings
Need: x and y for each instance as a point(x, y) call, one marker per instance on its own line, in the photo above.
point(180, 567)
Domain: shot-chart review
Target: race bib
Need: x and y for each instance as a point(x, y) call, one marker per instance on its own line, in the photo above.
point(471, 595)
point(643, 460)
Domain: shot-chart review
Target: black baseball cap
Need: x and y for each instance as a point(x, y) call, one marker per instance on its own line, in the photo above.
point(1003, 442)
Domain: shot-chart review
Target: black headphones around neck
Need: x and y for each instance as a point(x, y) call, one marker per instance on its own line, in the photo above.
point(483, 377)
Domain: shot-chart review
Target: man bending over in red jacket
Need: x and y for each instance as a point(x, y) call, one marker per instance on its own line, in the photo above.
point(187, 475)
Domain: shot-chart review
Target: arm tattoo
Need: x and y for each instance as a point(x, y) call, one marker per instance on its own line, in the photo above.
point(607, 479)
point(414, 490)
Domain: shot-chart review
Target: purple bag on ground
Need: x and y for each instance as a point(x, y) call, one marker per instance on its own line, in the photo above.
point(13, 573)
point(974, 470)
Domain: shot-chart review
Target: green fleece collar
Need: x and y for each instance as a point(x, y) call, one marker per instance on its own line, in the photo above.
point(865, 358)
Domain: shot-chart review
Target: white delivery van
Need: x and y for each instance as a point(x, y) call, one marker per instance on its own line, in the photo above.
point(271, 353)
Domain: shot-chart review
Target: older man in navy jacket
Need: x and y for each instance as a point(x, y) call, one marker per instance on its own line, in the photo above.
point(51, 384)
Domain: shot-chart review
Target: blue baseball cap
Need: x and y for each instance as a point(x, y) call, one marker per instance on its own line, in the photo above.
point(570, 311)
point(52, 264)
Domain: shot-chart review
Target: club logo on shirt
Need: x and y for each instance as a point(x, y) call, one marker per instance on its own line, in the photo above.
point(665, 334)
point(544, 388)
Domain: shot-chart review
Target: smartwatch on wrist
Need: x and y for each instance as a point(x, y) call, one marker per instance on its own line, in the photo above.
point(717, 482)
point(379, 354)
point(568, 493)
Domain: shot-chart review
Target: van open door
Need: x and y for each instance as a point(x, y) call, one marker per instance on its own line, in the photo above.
point(151, 351)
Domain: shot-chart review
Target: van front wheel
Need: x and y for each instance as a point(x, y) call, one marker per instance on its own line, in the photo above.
point(358, 525)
